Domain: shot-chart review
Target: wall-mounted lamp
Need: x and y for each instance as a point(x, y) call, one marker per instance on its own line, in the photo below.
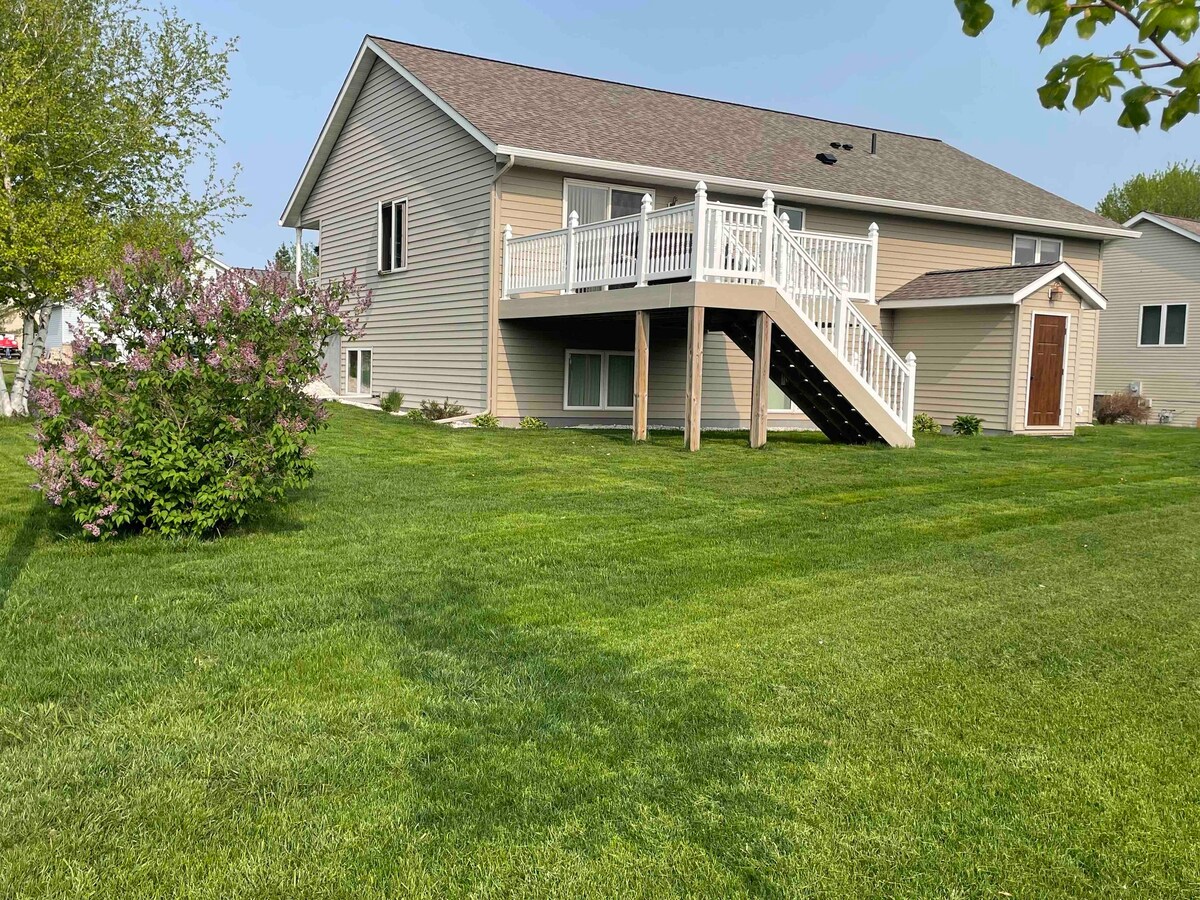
point(1056, 292)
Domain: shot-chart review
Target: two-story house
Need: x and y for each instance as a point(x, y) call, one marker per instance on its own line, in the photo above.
point(590, 252)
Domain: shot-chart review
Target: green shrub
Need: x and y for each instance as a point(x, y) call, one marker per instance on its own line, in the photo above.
point(1123, 406)
point(434, 411)
point(532, 422)
point(391, 401)
point(182, 408)
point(967, 425)
point(415, 415)
point(924, 423)
point(486, 420)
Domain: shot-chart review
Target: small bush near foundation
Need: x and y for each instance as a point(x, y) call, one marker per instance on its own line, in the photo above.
point(532, 422)
point(415, 415)
point(391, 401)
point(923, 423)
point(967, 425)
point(485, 420)
point(434, 411)
point(1121, 407)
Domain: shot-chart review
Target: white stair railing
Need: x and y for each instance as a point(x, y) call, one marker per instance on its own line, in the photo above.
point(721, 242)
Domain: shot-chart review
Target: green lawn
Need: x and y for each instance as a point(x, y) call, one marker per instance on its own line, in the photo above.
point(553, 664)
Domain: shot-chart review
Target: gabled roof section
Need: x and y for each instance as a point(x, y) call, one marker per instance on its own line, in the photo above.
point(552, 118)
point(995, 286)
point(1188, 228)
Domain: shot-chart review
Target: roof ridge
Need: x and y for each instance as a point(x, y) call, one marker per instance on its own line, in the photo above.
point(642, 87)
point(995, 268)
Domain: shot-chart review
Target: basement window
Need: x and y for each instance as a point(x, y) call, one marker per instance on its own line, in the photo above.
point(598, 379)
point(393, 236)
point(1029, 250)
point(1163, 325)
point(358, 372)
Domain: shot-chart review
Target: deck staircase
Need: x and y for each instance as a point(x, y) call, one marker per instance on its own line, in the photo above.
point(826, 355)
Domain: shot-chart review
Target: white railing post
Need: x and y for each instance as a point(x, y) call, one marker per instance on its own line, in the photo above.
point(873, 265)
point(766, 250)
point(910, 393)
point(698, 248)
point(786, 224)
point(506, 266)
point(643, 239)
point(569, 279)
point(840, 315)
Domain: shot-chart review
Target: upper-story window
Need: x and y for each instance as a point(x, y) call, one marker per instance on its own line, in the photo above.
point(1028, 250)
point(393, 236)
point(1163, 325)
point(795, 215)
point(597, 202)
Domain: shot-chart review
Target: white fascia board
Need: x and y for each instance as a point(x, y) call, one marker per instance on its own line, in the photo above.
point(1067, 273)
point(987, 300)
point(836, 198)
point(367, 54)
point(1163, 223)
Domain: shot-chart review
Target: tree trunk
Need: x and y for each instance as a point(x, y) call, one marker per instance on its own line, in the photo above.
point(33, 342)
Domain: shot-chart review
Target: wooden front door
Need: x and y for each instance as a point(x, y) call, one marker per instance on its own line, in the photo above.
point(1046, 370)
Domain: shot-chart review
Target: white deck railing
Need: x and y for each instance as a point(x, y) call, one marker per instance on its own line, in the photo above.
point(819, 274)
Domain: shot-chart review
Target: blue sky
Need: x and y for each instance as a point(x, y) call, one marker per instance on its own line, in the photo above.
point(893, 64)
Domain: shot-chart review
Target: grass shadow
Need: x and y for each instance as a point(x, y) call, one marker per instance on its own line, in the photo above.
point(20, 549)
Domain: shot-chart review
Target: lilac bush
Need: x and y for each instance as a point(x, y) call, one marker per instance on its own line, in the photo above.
point(181, 409)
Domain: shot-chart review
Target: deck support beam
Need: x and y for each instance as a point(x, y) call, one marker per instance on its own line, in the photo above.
point(760, 380)
point(641, 373)
point(694, 378)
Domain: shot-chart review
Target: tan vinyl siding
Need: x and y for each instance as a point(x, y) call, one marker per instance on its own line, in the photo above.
point(532, 358)
point(1080, 363)
point(964, 360)
point(1158, 267)
point(427, 326)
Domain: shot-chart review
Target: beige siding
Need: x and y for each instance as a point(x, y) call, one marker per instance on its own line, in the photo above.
point(1080, 363)
point(1158, 267)
point(531, 200)
point(964, 361)
point(532, 359)
point(427, 326)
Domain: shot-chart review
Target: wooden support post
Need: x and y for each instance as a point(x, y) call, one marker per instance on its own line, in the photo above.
point(641, 373)
point(695, 375)
point(761, 383)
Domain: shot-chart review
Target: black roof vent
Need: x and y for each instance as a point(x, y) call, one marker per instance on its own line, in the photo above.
point(847, 146)
point(828, 158)
point(835, 145)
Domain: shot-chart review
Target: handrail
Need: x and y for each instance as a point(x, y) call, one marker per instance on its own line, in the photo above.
point(725, 242)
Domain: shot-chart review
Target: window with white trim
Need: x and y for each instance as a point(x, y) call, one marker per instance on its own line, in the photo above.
point(598, 202)
point(795, 215)
point(1028, 250)
point(1163, 325)
point(778, 401)
point(393, 236)
point(358, 371)
point(598, 379)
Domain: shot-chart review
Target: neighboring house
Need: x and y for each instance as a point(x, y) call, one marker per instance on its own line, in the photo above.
point(1150, 342)
point(531, 241)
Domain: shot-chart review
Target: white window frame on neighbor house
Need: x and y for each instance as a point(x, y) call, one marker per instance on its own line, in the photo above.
point(355, 390)
point(401, 203)
point(1037, 248)
point(788, 208)
point(604, 355)
point(1162, 325)
point(611, 186)
point(1066, 367)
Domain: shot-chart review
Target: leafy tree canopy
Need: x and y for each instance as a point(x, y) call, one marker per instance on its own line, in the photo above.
point(1173, 191)
point(1153, 68)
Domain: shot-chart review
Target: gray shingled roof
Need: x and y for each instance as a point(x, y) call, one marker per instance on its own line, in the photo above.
point(535, 109)
point(1191, 225)
point(999, 280)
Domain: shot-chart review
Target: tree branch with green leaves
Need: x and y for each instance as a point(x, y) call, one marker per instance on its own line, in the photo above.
point(1153, 69)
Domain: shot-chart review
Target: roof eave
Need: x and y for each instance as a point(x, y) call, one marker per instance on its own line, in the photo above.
point(1163, 223)
point(836, 198)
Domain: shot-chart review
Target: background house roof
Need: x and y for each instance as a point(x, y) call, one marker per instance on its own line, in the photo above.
point(536, 109)
point(1189, 228)
point(992, 282)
